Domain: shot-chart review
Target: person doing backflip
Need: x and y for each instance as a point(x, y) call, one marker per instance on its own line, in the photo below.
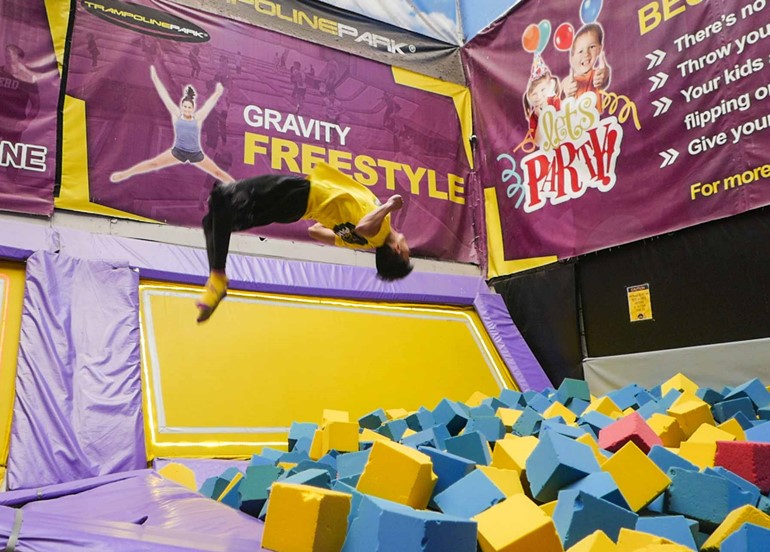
point(346, 214)
point(187, 135)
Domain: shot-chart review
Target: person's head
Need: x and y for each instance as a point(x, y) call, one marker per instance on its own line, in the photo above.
point(188, 102)
point(538, 92)
point(392, 258)
point(586, 48)
point(13, 52)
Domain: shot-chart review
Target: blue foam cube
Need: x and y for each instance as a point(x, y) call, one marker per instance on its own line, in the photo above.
point(557, 461)
point(578, 514)
point(448, 467)
point(665, 459)
point(724, 410)
point(472, 445)
point(753, 389)
point(491, 427)
point(373, 419)
point(298, 430)
point(512, 399)
point(749, 538)
point(704, 497)
point(601, 485)
point(469, 496)
point(528, 423)
point(677, 529)
point(450, 414)
point(387, 526)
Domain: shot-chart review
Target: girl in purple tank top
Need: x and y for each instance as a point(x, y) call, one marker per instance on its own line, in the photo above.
point(187, 135)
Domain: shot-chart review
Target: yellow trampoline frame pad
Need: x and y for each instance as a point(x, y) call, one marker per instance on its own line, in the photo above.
point(234, 384)
point(11, 303)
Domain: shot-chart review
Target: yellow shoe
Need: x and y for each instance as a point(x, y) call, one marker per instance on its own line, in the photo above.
point(216, 290)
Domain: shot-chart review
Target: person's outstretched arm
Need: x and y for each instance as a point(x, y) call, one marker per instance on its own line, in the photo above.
point(163, 93)
point(209, 104)
point(369, 226)
point(321, 233)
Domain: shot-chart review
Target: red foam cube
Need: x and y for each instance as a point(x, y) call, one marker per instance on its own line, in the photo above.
point(750, 460)
point(629, 428)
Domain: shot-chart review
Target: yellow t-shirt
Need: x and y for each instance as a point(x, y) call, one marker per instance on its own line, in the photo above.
point(339, 203)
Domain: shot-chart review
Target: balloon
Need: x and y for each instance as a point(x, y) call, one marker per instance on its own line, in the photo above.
point(530, 38)
point(562, 38)
point(589, 10)
point(545, 33)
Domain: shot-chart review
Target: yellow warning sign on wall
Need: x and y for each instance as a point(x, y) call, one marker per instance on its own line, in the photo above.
point(639, 303)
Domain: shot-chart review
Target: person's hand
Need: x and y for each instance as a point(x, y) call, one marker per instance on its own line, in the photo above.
point(219, 88)
point(395, 202)
point(569, 85)
point(601, 73)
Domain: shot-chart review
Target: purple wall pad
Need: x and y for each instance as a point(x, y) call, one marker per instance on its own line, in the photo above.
point(78, 408)
point(189, 265)
point(516, 354)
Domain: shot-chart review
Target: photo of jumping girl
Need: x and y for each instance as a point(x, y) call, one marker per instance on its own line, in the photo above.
point(187, 123)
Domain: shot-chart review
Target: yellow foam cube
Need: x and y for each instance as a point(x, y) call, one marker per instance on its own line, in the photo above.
point(301, 518)
point(701, 447)
point(637, 477)
point(667, 428)
point(532, 530)
point(630, 540)
point(606, 406)
point(557, 409)
point(512, 453)
point(476, 399)
point(679, 382)
point(316, 445)
point(598, 541)
point(396, 413)
point(629, 410)
point(507, 480)
point(733, 427)
point(339, 436)
point(508, 416)
point(733, 522)
point(230, 487)
point(549, 507)
point(691, 414)
point(588, 439)
point(409, 431)
point(398, 473)
point(179, 473)
point(330, 415)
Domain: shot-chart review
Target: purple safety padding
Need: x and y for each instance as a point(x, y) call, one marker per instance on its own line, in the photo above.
point(516, 354)
point(189, 265)
point(78, 408)
point(52, 533)
point(121, 512)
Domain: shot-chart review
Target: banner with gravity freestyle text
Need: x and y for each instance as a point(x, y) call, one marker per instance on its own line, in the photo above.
point(601, 122)
point(262, 102)
point(29, 94)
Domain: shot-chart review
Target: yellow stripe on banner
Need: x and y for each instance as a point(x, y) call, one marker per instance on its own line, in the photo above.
point(74, 193)
point(11, 300)
point(58, 12)
point(496, 263)
point(461, 96)
point(236, 383)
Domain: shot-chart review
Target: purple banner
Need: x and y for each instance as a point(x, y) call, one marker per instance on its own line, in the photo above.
point(29, 95)
point(604, 122)
point(263, 103)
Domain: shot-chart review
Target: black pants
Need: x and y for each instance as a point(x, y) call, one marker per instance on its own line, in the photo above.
point(248, 203)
